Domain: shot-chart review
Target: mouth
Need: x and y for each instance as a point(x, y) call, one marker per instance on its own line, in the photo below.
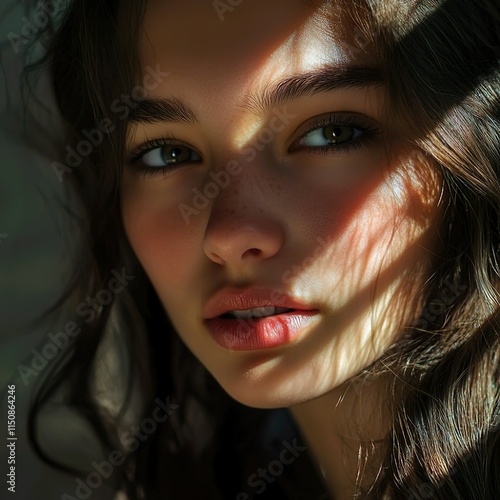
point(256, 312)
point(257, 319)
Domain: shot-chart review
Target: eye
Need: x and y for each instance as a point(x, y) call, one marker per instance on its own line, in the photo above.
point(161, 156)
point(330, 135)
point(335, 134)
point(169, 154)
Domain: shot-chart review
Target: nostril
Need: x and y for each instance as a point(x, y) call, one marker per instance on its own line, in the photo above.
point(252, 252)
point(218, 260)
point(230, 241)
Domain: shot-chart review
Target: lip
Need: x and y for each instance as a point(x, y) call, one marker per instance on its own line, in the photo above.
point(256, 333)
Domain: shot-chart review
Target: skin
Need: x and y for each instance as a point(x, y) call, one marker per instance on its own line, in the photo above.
point(350, 233)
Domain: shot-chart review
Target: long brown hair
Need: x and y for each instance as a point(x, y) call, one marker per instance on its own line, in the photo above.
point(441, 67)
point(440, 60)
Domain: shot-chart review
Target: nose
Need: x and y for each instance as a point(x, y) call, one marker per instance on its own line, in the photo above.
point(240, 228)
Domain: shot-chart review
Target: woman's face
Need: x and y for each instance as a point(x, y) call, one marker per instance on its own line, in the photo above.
point(285, 244)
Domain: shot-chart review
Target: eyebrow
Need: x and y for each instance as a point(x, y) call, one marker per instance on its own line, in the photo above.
point(325, 79)
point(162, 110)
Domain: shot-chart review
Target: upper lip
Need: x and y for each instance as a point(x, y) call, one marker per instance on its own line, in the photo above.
point(228, 299)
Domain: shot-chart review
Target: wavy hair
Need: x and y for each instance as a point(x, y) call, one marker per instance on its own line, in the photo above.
point(441, 63)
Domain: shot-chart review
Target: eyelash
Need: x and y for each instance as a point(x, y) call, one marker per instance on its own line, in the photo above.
point(147, 147)
point(369, 132)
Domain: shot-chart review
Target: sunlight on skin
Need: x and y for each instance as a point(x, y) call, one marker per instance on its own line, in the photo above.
point(351, 234)
point(311, 46)
point(373, 242)
point(247, 132)
point(310, 58)
point(371, 295)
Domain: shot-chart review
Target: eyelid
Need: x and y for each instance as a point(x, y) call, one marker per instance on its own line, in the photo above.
point(346, 119)
point(368, 125)
point(136, 154)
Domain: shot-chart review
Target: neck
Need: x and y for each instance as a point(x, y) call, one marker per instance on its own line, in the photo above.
point(335, 425)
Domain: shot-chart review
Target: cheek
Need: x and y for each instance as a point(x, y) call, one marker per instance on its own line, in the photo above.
point(388, 236)
point(157, 233)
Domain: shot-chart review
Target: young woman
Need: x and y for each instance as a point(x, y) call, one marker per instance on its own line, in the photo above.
point(307, 196)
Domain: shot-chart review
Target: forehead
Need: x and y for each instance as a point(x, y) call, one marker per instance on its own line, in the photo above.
point(208, 42)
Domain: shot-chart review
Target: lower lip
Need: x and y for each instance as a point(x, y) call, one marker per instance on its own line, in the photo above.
point(245, 334)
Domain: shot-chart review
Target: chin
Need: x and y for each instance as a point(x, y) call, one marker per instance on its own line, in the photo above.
point(264, 402)
point(264, 395)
